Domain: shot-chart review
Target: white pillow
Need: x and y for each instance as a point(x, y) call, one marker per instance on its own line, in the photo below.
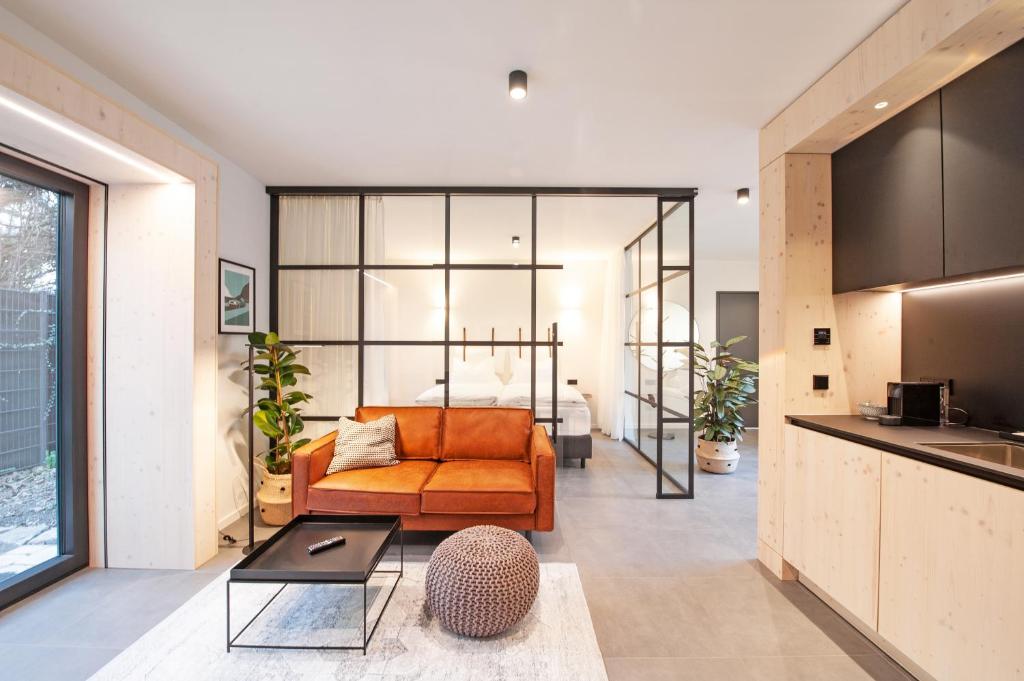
point(480, 370)
point(364, 445)
point(521, 370)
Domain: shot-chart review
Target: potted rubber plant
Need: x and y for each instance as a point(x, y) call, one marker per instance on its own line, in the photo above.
point(728, 385)
point(278, 416)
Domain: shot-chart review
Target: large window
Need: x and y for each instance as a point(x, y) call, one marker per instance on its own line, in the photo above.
point(43, 524)
point(658, 352)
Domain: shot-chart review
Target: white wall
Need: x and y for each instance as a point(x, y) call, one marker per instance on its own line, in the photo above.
point(572, 297)
point(243, 217)
point(480, 301)
point(244, 237)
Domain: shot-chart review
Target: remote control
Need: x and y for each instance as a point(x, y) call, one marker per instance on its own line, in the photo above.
point(325, 544)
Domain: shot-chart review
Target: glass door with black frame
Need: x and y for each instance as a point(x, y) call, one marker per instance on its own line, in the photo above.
point(39, 487)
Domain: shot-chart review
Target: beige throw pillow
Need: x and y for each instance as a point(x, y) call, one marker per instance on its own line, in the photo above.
point(364, 445)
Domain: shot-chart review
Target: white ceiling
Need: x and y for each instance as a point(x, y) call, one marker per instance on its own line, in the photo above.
point(621, 92)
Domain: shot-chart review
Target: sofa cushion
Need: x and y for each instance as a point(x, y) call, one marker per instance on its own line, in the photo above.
point(393, 489)
point(418, 432)
point(504, 487)
point(364, 445)
point(486, 433)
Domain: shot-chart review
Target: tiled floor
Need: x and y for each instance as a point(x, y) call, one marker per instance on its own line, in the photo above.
point(673, 589)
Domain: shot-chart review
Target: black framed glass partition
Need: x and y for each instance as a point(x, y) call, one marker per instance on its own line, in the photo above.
point(43, 469)
point(658, 278)
point(378, 288)
point(422, 295)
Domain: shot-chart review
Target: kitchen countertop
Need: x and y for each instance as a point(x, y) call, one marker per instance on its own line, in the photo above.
point(907, 441)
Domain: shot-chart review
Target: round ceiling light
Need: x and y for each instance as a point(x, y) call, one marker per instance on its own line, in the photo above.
point(517, 84)
point(881, 105)
point(743, 196)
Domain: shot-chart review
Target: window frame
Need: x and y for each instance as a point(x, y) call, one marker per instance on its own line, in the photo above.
point(71, 371)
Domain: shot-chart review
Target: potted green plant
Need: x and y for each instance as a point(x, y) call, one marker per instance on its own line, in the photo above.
point(729, 384)
point(278, 416)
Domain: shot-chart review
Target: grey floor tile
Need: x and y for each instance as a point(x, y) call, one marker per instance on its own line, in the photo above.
point(675, 669)
point(52, 663)
point(753, 617)
point(824, 668)
point(673, 588)
point(815, 668)
point(644, 618)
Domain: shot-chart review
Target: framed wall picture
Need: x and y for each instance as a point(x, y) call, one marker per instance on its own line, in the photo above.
point(237, 304)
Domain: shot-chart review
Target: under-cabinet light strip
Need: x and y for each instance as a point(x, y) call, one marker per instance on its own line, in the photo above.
point(949, 284)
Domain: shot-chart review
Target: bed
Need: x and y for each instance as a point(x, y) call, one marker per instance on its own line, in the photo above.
point(474, 383)
point(462, 395)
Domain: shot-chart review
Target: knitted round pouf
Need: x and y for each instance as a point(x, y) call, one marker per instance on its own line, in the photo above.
point(482, 580)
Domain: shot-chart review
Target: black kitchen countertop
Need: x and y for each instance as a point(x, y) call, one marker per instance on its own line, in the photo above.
point(907, 441)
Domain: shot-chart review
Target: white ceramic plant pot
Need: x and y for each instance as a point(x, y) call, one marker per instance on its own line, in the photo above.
point(717, 457)
point(274, 497)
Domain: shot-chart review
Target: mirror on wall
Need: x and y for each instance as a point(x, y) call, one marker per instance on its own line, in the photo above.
point(674, 329)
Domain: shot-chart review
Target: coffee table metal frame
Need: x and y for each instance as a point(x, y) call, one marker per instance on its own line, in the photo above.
point(396, 531)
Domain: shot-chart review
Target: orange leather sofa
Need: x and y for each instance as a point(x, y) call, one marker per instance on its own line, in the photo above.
point(460, 467)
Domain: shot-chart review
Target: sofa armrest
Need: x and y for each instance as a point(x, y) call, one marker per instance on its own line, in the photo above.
point(542, 462)
point(309, 464)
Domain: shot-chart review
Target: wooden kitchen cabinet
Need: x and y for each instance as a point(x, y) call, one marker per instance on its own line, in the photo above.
point(952, 571)
point(831, 517)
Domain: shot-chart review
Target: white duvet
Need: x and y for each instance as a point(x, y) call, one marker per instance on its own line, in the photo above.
point(483, 394)
point(518, 395)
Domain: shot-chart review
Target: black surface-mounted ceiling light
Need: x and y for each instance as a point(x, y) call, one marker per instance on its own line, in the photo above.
point(517, 84)
point(515, 242)
point(743, 196)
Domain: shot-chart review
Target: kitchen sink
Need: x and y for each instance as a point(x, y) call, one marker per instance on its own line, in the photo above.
point(1003, 453)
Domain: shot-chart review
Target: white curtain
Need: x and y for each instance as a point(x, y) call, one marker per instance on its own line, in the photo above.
point(609, 417)
point(379, 309)
point(321, 304)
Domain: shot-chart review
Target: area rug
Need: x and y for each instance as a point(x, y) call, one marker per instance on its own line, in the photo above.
point(555, 641)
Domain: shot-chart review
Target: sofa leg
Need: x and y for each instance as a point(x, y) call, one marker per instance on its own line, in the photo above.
point(583, 462)
point(529, 535)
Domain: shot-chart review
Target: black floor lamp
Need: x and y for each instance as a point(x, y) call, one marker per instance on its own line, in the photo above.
point(248, 548)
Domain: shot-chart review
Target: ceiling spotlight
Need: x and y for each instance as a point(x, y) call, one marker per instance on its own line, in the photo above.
point(743, 196)
point(515, 242)
point(881, 105)
point(517, 84)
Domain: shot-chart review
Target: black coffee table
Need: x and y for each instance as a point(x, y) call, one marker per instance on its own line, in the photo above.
point(283, 560)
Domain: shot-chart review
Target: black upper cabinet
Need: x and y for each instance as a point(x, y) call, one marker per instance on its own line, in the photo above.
point(983, 165)
point(887, 202)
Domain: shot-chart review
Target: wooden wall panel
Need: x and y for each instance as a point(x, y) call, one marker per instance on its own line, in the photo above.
point(32, 77)
point(796, 297)
point(206, 283)
point(868, 337)
point(832, 517)
point(952, 547)
point(771, 342)
point(150, 436)
point(808, 287)
point(94, 373)
point(926, 44)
